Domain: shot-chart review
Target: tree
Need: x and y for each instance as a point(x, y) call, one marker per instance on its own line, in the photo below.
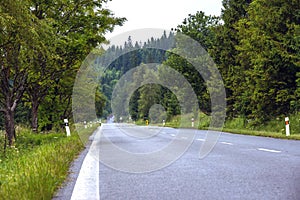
point(149, 93)
point(20, 38)
point(225, 54)
point(200, 28)
point(269, 57)
point(128, 57)
point(79, 27)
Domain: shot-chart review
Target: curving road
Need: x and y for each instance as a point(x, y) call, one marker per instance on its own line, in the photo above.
point(239, 167)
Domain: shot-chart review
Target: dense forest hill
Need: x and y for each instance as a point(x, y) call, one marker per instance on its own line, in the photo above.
point(256, 47)
point(127, 57)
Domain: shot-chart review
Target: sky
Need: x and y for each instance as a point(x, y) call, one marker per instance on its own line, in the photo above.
point(158, 14)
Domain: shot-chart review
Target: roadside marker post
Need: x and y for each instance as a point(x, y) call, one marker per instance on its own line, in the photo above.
point(193, 123)
point(287, 126)
point(85, 126)
point(67, 127)
point(164, 122)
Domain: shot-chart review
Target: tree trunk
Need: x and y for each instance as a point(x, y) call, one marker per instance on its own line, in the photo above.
point(10, 126)
point(34, 116)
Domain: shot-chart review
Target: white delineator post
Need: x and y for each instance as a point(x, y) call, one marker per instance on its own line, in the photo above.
point(67, 127)
point(85, 125)
point(193, 123)
point(287, 126)
point(164, 122)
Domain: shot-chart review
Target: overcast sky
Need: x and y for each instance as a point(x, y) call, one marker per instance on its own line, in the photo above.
point(162, 14)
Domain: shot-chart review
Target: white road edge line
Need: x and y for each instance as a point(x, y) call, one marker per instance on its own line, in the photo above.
point(87, 183)
point(228, 143)
point(268, 150)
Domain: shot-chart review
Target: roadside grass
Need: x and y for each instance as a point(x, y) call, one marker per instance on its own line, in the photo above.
point(274, 128)
point(85, 133)
point(262, 133)
point(202, 121)
point(37, 165)
point(140, 122)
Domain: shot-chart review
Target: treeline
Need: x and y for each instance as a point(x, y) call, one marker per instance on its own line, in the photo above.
point(256, 47)
point(42, 45)
point(125, 58)
point(255, 44)
point(257, 50)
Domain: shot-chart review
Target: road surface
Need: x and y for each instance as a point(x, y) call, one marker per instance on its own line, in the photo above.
point(239, 167)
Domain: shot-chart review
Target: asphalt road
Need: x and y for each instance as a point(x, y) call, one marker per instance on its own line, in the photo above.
point(239, 167)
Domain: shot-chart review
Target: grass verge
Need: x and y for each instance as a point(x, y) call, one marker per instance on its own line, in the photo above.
point(37, 165)
point(274, 128)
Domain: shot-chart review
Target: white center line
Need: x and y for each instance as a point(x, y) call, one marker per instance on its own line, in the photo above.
point(199, 139)
point(172, 135)
point(228, 143)
point(269, 150)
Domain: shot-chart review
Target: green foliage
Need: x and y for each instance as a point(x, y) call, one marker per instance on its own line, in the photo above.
point(255, 44)
point(268, 58)
point(42, 46)
point(126, 57)
point(199, 27)
point(20, 38)
point(256, 48)
point(225, 54)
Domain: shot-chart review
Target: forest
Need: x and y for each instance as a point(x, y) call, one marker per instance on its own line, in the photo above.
point(255, 45)
point(43, 44)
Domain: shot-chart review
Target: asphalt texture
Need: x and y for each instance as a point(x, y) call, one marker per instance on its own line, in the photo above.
point(238, 167)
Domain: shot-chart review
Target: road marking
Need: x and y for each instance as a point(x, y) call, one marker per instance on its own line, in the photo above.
point(228, 143)
point(184, 138)
point(199, 139)
point(87, 183)
point(172, 135)
point(268, 150)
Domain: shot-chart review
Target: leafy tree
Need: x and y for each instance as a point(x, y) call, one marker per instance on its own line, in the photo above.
point(269, 57)
point(21, 36)
point(200, 28)
point(149, 93)
point(79, 26)
point(224, 53)
point(295, 103)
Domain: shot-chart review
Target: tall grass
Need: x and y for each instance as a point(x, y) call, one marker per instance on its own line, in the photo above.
point(37, 165)
point(273, 126)
point(36, 175)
